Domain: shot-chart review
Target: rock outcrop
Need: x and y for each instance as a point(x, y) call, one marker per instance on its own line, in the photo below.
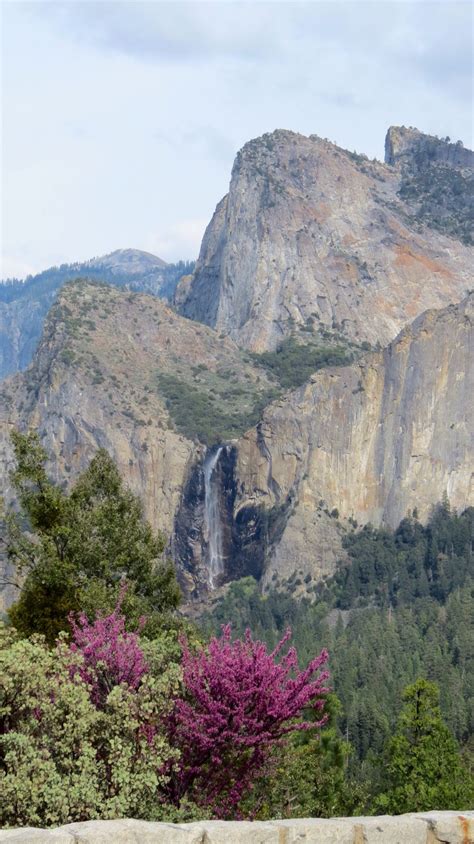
point(436, 181)
point(408, 147)
point(311, 232)
point(423, 828)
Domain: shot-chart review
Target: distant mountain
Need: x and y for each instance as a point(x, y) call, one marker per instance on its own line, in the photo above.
point(24, 304)
point(131, 261)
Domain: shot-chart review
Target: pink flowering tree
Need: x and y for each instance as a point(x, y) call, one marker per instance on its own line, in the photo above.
point(111, 656)
point(239, 702)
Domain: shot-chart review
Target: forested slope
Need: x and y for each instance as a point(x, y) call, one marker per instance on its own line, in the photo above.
point(401, 609)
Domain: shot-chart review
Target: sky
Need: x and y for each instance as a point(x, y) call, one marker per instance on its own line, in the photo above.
point(121, 120)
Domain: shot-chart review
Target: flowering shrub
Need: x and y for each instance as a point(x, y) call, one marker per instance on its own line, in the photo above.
point(110, 726)
point(64, 759)
point(239, 701)
point(110, 655)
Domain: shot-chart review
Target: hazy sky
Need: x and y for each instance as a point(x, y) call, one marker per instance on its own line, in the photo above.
point(121, 119)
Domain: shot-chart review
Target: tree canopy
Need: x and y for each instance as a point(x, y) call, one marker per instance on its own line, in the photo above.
point(424, 769)
point(75, 549)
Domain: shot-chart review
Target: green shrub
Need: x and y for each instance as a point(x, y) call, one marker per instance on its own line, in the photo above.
point(68, 356)
point(63, 759)
point(293, 363)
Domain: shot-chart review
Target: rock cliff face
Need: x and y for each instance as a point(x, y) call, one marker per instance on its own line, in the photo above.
point(309, 231)
point(375, 440)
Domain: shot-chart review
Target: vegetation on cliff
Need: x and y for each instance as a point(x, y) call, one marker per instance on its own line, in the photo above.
point(214, 407)
point(296, 359)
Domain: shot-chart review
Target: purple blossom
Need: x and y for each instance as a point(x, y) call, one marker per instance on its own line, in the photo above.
point(239, 701)
point(111, 656)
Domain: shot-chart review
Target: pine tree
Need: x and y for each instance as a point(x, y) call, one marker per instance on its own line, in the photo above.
point(76, 549)
point(424, 769)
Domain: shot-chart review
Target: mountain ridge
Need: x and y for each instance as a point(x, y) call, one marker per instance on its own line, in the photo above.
point(24, 304)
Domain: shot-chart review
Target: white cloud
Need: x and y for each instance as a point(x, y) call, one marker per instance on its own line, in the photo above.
point(168, 31)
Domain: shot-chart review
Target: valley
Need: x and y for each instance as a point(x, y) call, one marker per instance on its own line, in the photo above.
point(247, 458)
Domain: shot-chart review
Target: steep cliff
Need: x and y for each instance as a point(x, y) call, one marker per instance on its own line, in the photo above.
point(312, 233)
point(369, 442)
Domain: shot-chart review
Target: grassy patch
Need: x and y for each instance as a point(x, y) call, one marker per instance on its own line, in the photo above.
point(212, 415)
point(293, 363)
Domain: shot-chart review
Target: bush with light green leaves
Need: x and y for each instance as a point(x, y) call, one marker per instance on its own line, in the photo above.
point(61, 758)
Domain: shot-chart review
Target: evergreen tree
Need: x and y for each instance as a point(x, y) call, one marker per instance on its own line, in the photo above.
point(76, 549)
point(424, 768)
point(308, 777)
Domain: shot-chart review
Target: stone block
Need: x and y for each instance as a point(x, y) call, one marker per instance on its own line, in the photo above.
point(316, 831)
point(449, 827)
point(387, 829)
point(237, 832)
point(33, 835)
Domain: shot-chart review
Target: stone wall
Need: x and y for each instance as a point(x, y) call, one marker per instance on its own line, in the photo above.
point(423, 828)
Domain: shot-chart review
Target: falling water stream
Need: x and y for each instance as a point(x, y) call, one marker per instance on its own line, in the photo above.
point(212, 518)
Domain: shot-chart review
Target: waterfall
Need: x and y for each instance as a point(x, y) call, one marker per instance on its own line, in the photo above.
point(212, 519)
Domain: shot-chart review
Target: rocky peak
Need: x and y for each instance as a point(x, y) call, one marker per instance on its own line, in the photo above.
point(313, 234)
point(436, 181)
point(408, 147)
